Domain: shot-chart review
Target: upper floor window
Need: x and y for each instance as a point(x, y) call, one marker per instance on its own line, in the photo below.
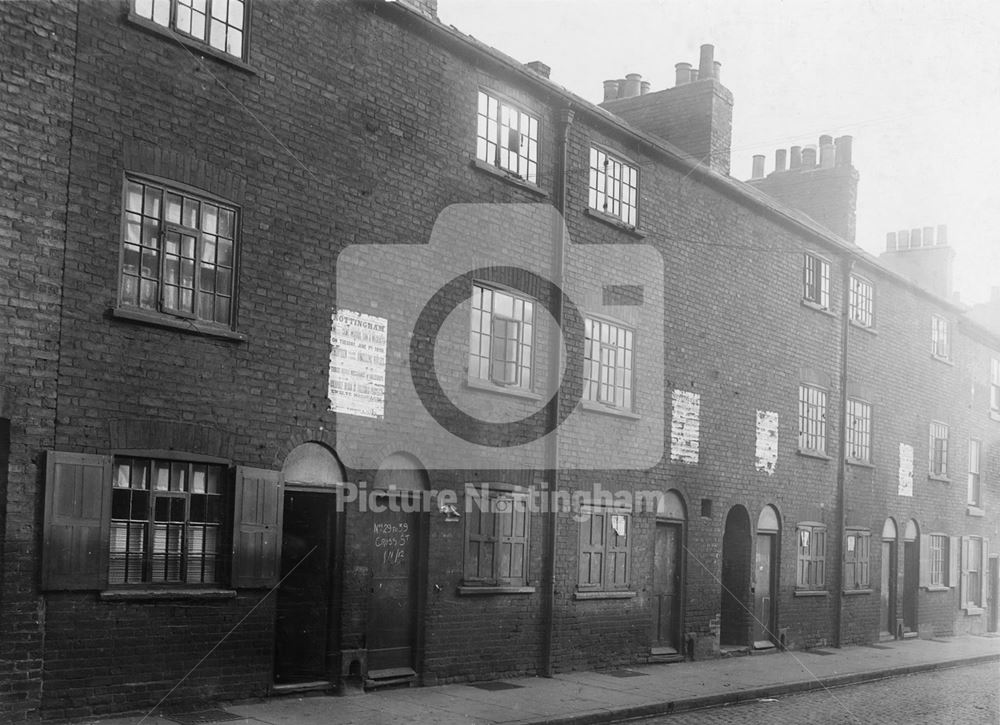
point(217, 23)
point(862, 301)
point(507, 137)
point(938, 462)
point(607, 365)
point(995, 386)
point(500, 340)
point(614, 187)
point(811, 557)
point(975, 485)
point(816, 281)
point(859, 430)
point(178, 253)
point(812, 419)
point(940, 340)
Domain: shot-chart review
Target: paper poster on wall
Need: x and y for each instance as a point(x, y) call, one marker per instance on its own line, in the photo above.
point(767, 441)
point(905, 470)
point(358, 348)
point(685, 429)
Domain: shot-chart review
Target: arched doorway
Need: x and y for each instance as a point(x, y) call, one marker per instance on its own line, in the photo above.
point(736, 602)
point(765, 579)
point(887, 581)
point(911, 576)
point(668, 575)
point(395, 606)
point(304, 631)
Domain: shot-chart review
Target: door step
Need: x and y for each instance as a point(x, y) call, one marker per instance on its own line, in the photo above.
point(390, 676)
point(290, 687)
point(665, 654)
point(763, 645)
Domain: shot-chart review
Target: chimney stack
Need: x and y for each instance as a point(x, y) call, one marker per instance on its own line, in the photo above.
point(758, 166)
point(826, 152)
point(779, 159)
point(695, 115)
point(920, 258)
point(796, 158)
point(539, 67)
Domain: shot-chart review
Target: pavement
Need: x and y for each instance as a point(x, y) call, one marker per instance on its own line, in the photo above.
point(601, 696)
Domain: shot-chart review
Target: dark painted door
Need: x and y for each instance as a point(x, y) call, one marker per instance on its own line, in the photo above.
point(736, 562)
point(763, 625)
point(667, 586)
point(911, 583)
point(303, 605)
point(887, 587)
point(994, 596)
point(392, 609)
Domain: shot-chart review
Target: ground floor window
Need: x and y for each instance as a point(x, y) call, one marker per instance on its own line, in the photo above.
point(496, 538)
point(605, 536)
point(811, 557)
point(857, 550)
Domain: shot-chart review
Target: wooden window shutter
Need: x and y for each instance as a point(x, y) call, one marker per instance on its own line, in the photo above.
point(963, 589)
point(77, 515)
point(924, 576)
point(954, 569)
point(984, 569)
point(258, 508)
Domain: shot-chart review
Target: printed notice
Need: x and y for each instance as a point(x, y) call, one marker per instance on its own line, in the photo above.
point(685, 428)
point(767, 441)
point(358, 348)
point(905, 470)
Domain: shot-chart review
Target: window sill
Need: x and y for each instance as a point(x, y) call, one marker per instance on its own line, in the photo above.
point(604, 595)
point(472, 589)
point(817, 307)
point(193, 326)
point(194, 45)
point(936, 477)
point(121, 595)
point(509, 178)
point(972, 510)
point(811, 593)
point(937, 588)
point(866, 328)
point(855, 592)
point(942, 359)
point(613, 221)
point(813, 454)
point(973, 611)
point(859, 463)
point(593, 407)
point(500, 389)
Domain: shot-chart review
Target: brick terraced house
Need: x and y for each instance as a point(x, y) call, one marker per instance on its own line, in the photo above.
point(283, 402)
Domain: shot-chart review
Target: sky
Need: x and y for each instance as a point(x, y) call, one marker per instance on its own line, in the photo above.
point(915, 82)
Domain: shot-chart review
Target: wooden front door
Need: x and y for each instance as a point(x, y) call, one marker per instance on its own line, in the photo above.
point(392, 608)
point(304, 595)
point(764, 571)
point(667, 586)
point(887, 588)
point(911, 583)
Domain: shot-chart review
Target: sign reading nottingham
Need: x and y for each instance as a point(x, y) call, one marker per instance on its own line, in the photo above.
point(357, 364)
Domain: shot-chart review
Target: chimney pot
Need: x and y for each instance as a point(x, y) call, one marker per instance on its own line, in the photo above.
point(540, 68)
point(915, 238)
point(621, 88)
point(809, 156)
point(942, 235)
point(683, 71)
point(706, 63)
point(928, 234)
point(795, 161)
point(633, 84)
point(779, 159)
point(610, 90)
point(644, 88)
point(890, 241)
point(844, 145)
point(904, 238)
point(826, 152)
point(717, 71)
point(758, 167)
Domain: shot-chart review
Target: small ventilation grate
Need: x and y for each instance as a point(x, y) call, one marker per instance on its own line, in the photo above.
point(495, 686)
point(202, 716)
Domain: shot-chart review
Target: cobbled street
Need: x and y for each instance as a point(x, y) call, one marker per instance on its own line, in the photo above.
point(958, 696)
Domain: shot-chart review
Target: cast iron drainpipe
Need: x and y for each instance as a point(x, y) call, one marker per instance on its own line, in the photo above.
point(565, 117)
point(842, 462)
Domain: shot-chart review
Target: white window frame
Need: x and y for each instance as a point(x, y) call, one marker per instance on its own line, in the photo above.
point(812, 418)
point(975, 560)
point(507, 136)
point(859, 430)
point(221, 25)
point(614, 186)
point(509, 366)
point(975, 479)
point(940, 338)
point(816, 281)
point(995, 387)
point(862, 302)
point(937, 460)
point(608, 364)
